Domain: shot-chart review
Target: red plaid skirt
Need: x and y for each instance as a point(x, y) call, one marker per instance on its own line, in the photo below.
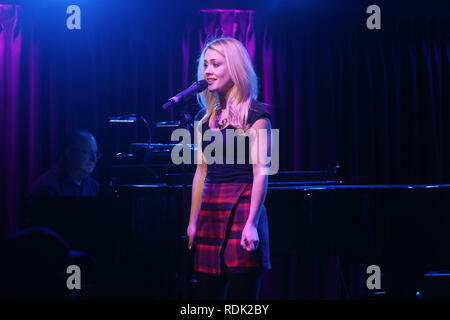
point(223, 214)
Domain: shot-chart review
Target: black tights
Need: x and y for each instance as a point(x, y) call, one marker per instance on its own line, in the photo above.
point(239, 286)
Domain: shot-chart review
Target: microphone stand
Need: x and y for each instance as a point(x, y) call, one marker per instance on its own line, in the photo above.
point(182, 99)
point(184, 255)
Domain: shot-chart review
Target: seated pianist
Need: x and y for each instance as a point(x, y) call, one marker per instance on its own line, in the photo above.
point(54, 200)
point(62, 198)
point(71, 175)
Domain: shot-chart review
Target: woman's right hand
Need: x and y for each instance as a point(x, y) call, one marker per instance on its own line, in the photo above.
point(191, 231)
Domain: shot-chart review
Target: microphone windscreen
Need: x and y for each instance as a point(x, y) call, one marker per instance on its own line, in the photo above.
point(202, 85)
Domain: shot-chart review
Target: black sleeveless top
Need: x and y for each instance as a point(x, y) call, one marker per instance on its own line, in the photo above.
point(237, 171)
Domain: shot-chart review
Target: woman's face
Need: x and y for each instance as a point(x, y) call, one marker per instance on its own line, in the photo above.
point(216, 72)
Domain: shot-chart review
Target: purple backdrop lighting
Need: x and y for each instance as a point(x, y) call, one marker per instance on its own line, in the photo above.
point(10, 53)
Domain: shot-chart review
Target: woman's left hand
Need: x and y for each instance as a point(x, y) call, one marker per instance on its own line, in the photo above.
point(250, 238)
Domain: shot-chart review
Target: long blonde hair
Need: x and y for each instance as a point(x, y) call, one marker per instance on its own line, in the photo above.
point(245, 81)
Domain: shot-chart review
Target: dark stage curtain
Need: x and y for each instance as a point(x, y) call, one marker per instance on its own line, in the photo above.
point(374, 102)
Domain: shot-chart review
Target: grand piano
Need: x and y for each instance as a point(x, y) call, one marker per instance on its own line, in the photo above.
point(401, 228)
point(137, 231)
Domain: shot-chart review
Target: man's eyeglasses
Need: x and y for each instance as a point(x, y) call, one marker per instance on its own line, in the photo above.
point(95, 155)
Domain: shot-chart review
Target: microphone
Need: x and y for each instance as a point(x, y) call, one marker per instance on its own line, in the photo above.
point(197, 87)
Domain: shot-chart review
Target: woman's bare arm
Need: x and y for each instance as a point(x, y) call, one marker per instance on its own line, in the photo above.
point(260, 152)
point(197, 190)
